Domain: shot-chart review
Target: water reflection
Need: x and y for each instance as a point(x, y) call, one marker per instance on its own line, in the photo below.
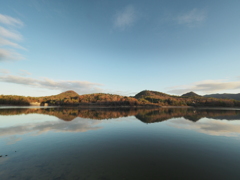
point(145, 115)
point(78, 125)
point(60, 143)
point(83, 120)
point(209, 126)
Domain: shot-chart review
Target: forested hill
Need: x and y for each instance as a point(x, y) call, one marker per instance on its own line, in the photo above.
point(225, 96)
point(188, 99)
point(143, 98)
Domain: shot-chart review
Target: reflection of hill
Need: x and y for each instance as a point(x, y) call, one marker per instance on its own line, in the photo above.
point(68, 114)
point(162, 114)
point(106, 113)
point(145, 115)
point(188, 113)
point(64, 114)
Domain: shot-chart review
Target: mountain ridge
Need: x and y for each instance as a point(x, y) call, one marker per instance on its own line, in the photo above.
point(224, 96)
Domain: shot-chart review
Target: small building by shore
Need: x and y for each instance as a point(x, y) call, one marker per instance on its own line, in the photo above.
point(35, 104)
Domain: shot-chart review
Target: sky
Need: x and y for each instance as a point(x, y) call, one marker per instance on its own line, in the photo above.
point(119, 47)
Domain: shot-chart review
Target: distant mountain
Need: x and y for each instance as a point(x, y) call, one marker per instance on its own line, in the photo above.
point(191, 94)
point(225, 96)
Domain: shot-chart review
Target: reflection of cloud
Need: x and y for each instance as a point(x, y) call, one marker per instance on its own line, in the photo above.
point(125, 18)
point(78, 125)
point(3, 161)
point(210, 127)
point(208, 86)
point(79, 86)
point(192, 18)
point(13, 139)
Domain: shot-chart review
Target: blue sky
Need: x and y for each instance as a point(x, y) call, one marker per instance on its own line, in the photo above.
point(119, 47)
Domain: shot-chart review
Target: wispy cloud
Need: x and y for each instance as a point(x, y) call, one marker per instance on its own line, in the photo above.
point(82, 87)
point(4, 19)
point(8, 54)
point(8, 36)
point(5, 42)
point(192, 18)
point(125, 18)
point(207, 86)
point(4, 71)
point(24, 73)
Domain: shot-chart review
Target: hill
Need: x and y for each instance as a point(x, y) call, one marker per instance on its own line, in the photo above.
point(69, 93)
point(159, 98)
point(145, 93)
point(225, 96)
point(191, 94)
point(107, 99)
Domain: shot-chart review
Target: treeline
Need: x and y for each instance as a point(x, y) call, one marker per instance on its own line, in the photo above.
point(71, 98)
point(14, 100)
point(144, 98)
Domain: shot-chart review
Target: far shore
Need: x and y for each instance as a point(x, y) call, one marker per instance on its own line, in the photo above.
point(110, 107)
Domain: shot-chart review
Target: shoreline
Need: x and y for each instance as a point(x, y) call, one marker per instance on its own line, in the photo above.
point(116, 107)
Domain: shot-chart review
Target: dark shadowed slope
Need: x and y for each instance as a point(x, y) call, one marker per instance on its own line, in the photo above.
point(191, 94)
point(225, 96)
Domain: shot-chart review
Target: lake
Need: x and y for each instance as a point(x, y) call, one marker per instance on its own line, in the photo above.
point(119, 144)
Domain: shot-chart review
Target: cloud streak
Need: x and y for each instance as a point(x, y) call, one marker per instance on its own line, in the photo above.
point(10, 34)
point(82, 87)
point(5, 42)
point(6, 54)
point(4, 19)
point(208, 86)
point(4, 71)
point(125, 18)
point(7, 37)
point(192, 18)
point(24, 73)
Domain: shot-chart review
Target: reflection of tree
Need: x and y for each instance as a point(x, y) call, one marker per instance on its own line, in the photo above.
point(64, 114)
point(145, 115)
point(68, 114)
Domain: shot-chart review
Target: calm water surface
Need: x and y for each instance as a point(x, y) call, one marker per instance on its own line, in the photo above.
point(125, 144)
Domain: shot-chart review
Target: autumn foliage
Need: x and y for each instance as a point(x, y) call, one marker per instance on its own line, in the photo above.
point(144, 98)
